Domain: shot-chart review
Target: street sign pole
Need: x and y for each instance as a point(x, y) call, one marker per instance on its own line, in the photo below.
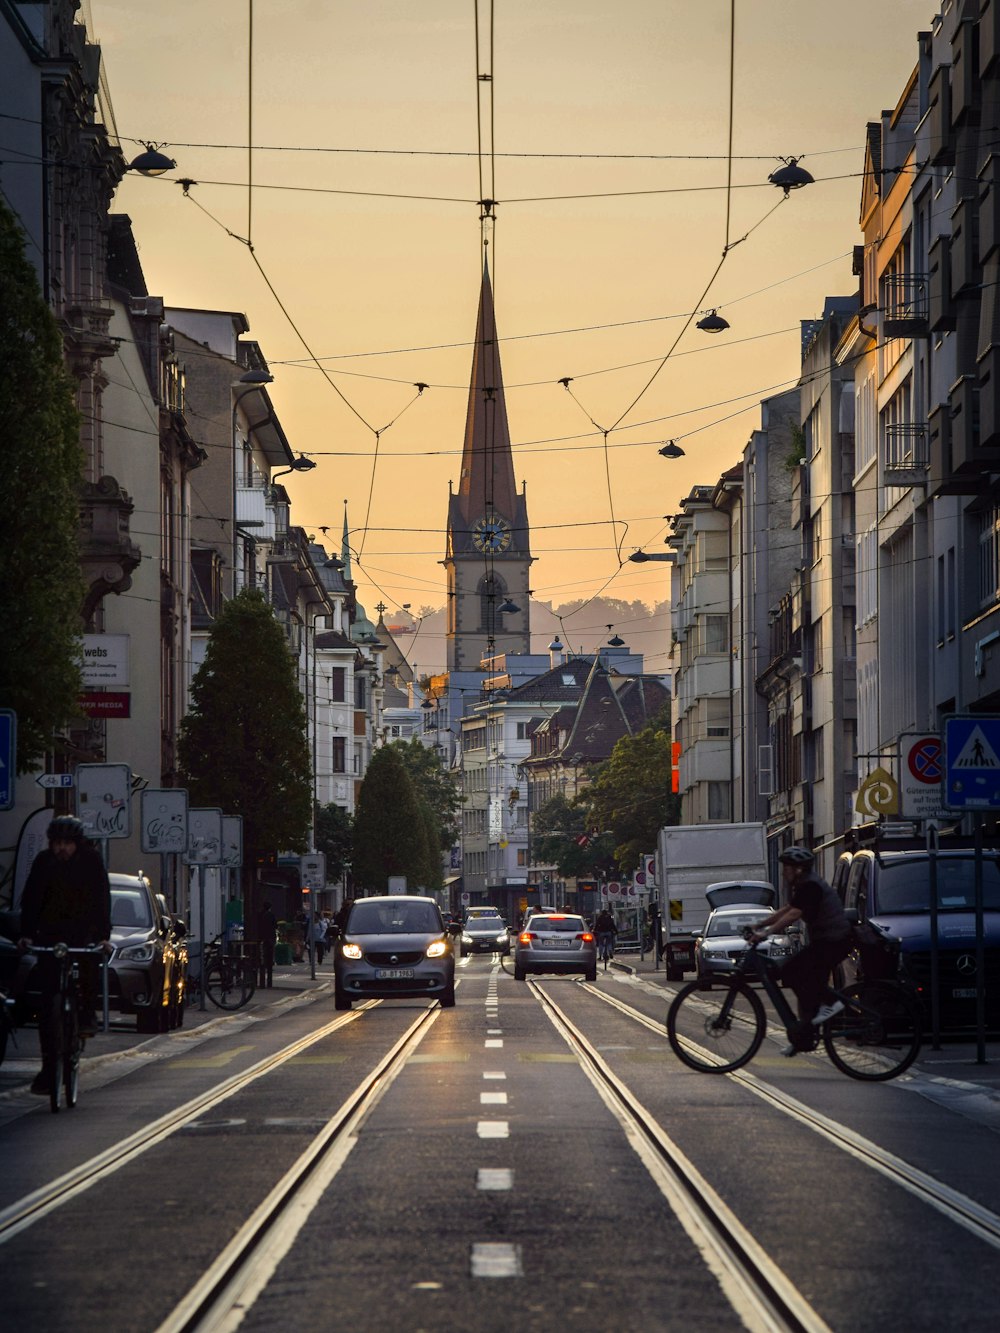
point(980, 947)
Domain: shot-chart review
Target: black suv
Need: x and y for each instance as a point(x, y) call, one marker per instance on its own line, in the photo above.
point(893, 890)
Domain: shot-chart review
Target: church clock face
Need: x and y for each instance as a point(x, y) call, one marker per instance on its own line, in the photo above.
point(491, 534)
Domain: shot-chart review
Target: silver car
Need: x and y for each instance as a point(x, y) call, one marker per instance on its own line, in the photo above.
point(394, 948)
point(720, 948)
point(557, 942)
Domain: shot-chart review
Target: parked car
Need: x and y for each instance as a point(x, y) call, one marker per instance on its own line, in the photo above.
point(721, 946)
point(892, 890)
point(393, 948)
point(555, 942)
point(141, 977)
point(179, 940)
point(485, 931)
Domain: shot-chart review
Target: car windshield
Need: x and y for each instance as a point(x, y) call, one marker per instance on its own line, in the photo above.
point(484, 923)
point(482, 914)
point(130, 908)
point(904, 885)
point(375, 917)
point(572, 925)
point(734, 925)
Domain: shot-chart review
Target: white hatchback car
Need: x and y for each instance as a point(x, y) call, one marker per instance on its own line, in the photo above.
point(719, 949)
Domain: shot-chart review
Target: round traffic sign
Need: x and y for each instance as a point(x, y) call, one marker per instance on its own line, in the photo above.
point(925, 760)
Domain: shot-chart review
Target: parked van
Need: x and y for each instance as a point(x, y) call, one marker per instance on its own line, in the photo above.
point(892, 889)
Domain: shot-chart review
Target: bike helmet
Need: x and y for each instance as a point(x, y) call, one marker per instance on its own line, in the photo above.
point(796, 856)
point(65, 828)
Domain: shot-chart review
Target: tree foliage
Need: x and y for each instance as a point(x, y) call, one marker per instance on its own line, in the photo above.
point(630, 795)
point(435, 784)
point(243, 745)
point(390, 836)
point(41, 588)
point(333, 834)
point(433, 876)
point(563, 835)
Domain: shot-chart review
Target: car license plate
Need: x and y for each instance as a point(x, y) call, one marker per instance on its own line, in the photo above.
point(393, 973)
point(558, 944)
point(964, 993)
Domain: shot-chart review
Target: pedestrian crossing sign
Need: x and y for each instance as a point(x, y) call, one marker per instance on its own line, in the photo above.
point(972, 762)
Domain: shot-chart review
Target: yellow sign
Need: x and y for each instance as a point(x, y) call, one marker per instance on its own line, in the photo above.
point(676, 909)
point(878, 794)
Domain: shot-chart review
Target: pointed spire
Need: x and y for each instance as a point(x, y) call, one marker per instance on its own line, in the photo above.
point(487, 478)
point(345, 550)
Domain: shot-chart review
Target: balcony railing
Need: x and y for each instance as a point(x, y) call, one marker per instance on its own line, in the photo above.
point(907, 454)
point(904, 305)
point(255, 511)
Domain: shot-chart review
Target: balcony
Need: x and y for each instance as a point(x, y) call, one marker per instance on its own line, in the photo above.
point(255, 511)
point(904, 305)
point(907, 454)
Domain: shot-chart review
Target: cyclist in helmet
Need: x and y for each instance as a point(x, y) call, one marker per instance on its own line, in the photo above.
point(66, 900)
point(812, 900)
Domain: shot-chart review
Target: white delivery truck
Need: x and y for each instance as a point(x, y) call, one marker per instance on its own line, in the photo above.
point(691, 858)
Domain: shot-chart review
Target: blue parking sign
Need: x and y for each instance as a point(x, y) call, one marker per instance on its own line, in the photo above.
point(8, 757)
point(972, 762)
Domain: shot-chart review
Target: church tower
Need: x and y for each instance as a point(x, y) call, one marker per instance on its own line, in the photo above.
point(487, 558)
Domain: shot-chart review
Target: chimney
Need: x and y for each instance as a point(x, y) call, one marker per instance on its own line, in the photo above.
point(555, 653)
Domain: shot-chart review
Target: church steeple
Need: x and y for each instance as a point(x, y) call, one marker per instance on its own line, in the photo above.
point(487, 478)
point(487, 555)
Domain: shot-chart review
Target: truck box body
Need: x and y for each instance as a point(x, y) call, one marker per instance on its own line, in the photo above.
point(690, 858)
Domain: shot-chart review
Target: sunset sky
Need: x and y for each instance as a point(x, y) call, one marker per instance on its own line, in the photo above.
point(610, 134)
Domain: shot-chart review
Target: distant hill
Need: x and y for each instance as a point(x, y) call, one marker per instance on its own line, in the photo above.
point(582, 627)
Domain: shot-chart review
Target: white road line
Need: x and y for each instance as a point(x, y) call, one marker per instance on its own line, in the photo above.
point(493, 1043)
point(494, 1259)
point(493, 1129)
point(493, 1099)
point(494, 1073)
point(494, 1178)
point(494, 1032)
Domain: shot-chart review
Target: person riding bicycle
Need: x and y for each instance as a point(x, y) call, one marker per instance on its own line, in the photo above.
point(66, 900)
point(605, 930)
point(812, 900)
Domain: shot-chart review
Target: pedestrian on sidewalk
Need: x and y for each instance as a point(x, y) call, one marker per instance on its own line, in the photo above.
point(267, 933)
point(319, 938)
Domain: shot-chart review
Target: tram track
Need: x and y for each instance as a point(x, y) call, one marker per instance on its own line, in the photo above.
point(24, 1212)
point(957, 1207)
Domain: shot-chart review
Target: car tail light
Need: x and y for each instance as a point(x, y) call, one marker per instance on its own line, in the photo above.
point(526, 937)
point(586, 937)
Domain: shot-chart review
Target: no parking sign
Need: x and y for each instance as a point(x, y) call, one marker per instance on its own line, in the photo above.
point(921, 772)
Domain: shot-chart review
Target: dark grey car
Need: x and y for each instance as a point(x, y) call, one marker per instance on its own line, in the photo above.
point(394, 948)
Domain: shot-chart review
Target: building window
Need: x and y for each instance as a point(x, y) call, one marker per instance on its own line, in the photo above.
point(338, 684)
point(718, 802)
point(989, 556)
point(338, 754)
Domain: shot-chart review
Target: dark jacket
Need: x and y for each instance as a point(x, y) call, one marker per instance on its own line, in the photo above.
point(605, 924)
point(67, 902)
point(267, 926)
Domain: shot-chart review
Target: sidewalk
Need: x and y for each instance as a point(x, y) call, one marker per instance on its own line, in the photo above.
point(955, 1061)
point(22, 1061)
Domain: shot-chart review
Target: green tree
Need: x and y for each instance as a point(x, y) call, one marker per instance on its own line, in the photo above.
point(41, 588)
point(333, 834)
point(435, 784)
point(389, 832)
point(432, 878)
point(630, 795)
point(243, 745)
point(562, 835)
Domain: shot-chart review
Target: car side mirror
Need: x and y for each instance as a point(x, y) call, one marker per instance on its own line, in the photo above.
point(180, 926)
point(454, 927)
point(166, 926)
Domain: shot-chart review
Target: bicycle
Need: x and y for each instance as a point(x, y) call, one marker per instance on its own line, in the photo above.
point(606, 941)
point(59, 1024)
point(230, 983)
point(875, 1037)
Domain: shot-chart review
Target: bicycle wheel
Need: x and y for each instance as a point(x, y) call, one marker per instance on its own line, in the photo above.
point(248, 975)
point(731, 1023)
point(52, 1053)
point(71, 1056)
point(878, 1034)
point(227, 986)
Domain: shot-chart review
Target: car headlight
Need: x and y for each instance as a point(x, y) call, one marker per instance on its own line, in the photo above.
point(437, 948)
point(466, 939)
point(503, 937)
point(138, 953)
point(351, 950)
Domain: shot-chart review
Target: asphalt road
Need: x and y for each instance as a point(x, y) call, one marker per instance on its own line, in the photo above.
point(488, 1183)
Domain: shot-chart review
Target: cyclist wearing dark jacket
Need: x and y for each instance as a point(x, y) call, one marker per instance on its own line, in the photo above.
point(812, 900)
point(66, 900)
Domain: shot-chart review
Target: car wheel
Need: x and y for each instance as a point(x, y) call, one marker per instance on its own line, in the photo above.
point(147, 1021)
point(518, 972)
point(590, 974)
point(674, 973)
point(447, 997)
point(341, 1000)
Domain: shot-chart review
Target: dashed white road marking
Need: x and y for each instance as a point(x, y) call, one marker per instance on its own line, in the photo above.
point(493, 1099)
point(493, 1043)
point(494, 1259)
point(493, 1129)
point(494, 1032)
point(494, 1073)
point(494, 1178)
